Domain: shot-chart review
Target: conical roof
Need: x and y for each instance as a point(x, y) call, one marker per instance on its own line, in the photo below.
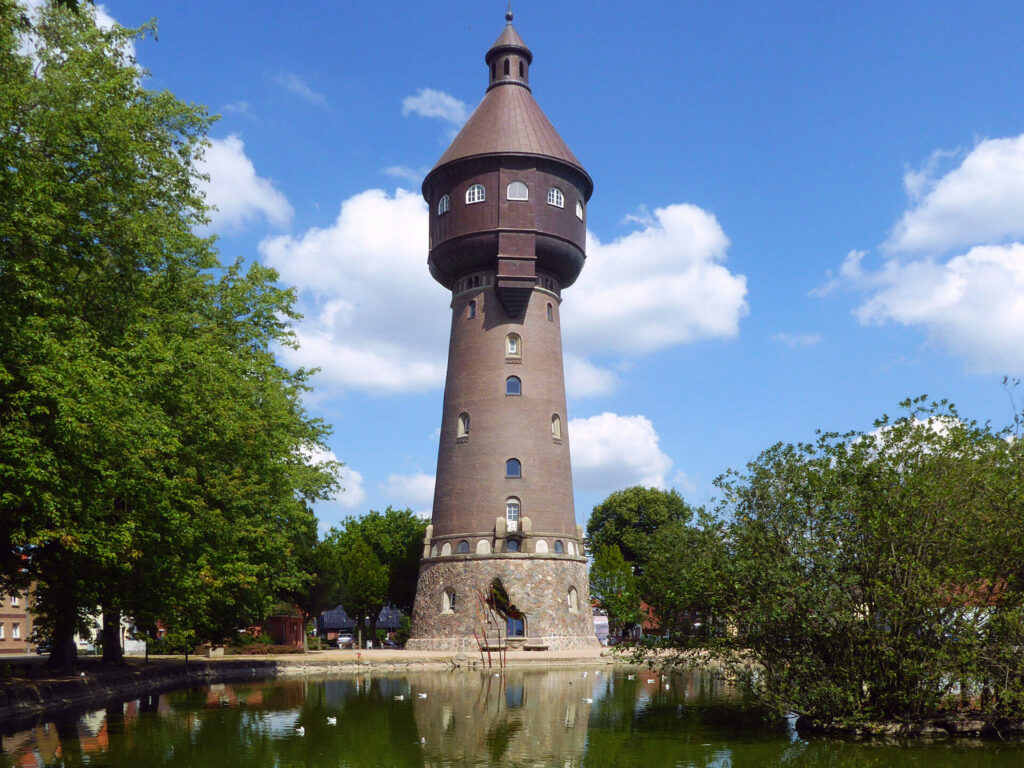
point(508, 121)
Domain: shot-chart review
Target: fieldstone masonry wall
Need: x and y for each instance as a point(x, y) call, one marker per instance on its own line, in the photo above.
point(537, 584)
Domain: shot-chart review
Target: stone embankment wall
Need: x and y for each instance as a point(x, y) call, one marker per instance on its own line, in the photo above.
point(24, 700)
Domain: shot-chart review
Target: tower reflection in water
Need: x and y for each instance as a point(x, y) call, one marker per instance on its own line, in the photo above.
point(548, 717)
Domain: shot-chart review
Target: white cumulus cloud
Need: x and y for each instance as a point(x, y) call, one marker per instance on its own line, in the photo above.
point(970, 303)
point(660, 286)
point(415, 491)
point(610, 451)
point(375, 319)
point(239, 194)
point(979, 201)
point(436, 104)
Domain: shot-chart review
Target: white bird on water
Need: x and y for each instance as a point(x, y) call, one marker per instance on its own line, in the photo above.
point(588, 700)
point(421, 695)
point(332, 720)
point(650, 679)
point(300, 731)
point(400, 697)
point(583, 674)
point(666, 686)
point(631, 677)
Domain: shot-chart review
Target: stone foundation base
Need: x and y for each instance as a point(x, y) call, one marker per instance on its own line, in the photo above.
point(552, 591)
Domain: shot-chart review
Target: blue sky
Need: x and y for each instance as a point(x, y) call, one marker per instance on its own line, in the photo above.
point(803, 213)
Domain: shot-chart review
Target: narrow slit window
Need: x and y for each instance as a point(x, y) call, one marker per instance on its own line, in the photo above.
point(513, 468)
point(579, 210)
point(556, 198)
point(551, 313)
point(471, 310)
point(506, 66)
point(522, 69)
point(556, 426)
point(462, 429)
point(513, 386)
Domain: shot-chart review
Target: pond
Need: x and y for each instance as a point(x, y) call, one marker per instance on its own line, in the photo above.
point(522, 717)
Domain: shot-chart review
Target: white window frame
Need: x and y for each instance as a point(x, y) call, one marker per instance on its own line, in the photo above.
point(444, 205)
point(2, 631)
point(513, 511)
point(476, 194)
point(15, 631)
point(522, 191)
point(556, 198)
point(14, 601)
point(462, 428)
point(556, 426)
point(579, 210)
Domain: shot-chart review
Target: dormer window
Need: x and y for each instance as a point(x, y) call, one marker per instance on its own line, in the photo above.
point(475, 194)
point(518, 191)
point(444, 205)
point(556, 198)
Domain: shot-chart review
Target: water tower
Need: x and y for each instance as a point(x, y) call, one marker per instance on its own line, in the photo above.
point(507, 235)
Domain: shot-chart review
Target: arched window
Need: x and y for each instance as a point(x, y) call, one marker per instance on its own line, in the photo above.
point(556, 426)
point(513, 345)
point(513, 386)
point(512, 514)
point(513, 468)
point(579, 210)
point(518, 191)
point(551, 313)
point(471, 310)
point(556, 198)
point(448, 601)
point(446, 549)
point(522, 70)
point(444, 205)
point(476, 194)
point(483, 547)
point(462, 428)
point(573, 599)
point(559, 547)
point(462, 548)
point(512, 545)
point(506, 67)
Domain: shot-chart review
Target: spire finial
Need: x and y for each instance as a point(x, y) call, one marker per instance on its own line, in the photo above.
point(508, 14)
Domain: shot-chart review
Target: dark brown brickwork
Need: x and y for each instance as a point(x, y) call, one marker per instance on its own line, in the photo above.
point(506, 262)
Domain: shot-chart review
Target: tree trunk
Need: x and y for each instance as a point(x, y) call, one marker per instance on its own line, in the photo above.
point(113, 653)
point(63, 651)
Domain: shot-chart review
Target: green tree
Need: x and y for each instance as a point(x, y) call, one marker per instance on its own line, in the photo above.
point(150, 446)
point(628, 518)
point(365, 586)
point(396, 538)
point(871, 575)
point(614, 585)
point(322, 588)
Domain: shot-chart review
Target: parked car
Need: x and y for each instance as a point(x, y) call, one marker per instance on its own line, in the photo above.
point(345, 640)
point(43, 647)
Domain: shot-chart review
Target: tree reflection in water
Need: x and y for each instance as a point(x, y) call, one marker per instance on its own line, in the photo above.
point(536, 717)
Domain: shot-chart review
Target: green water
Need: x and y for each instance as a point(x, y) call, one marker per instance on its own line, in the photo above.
point(520, 718)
